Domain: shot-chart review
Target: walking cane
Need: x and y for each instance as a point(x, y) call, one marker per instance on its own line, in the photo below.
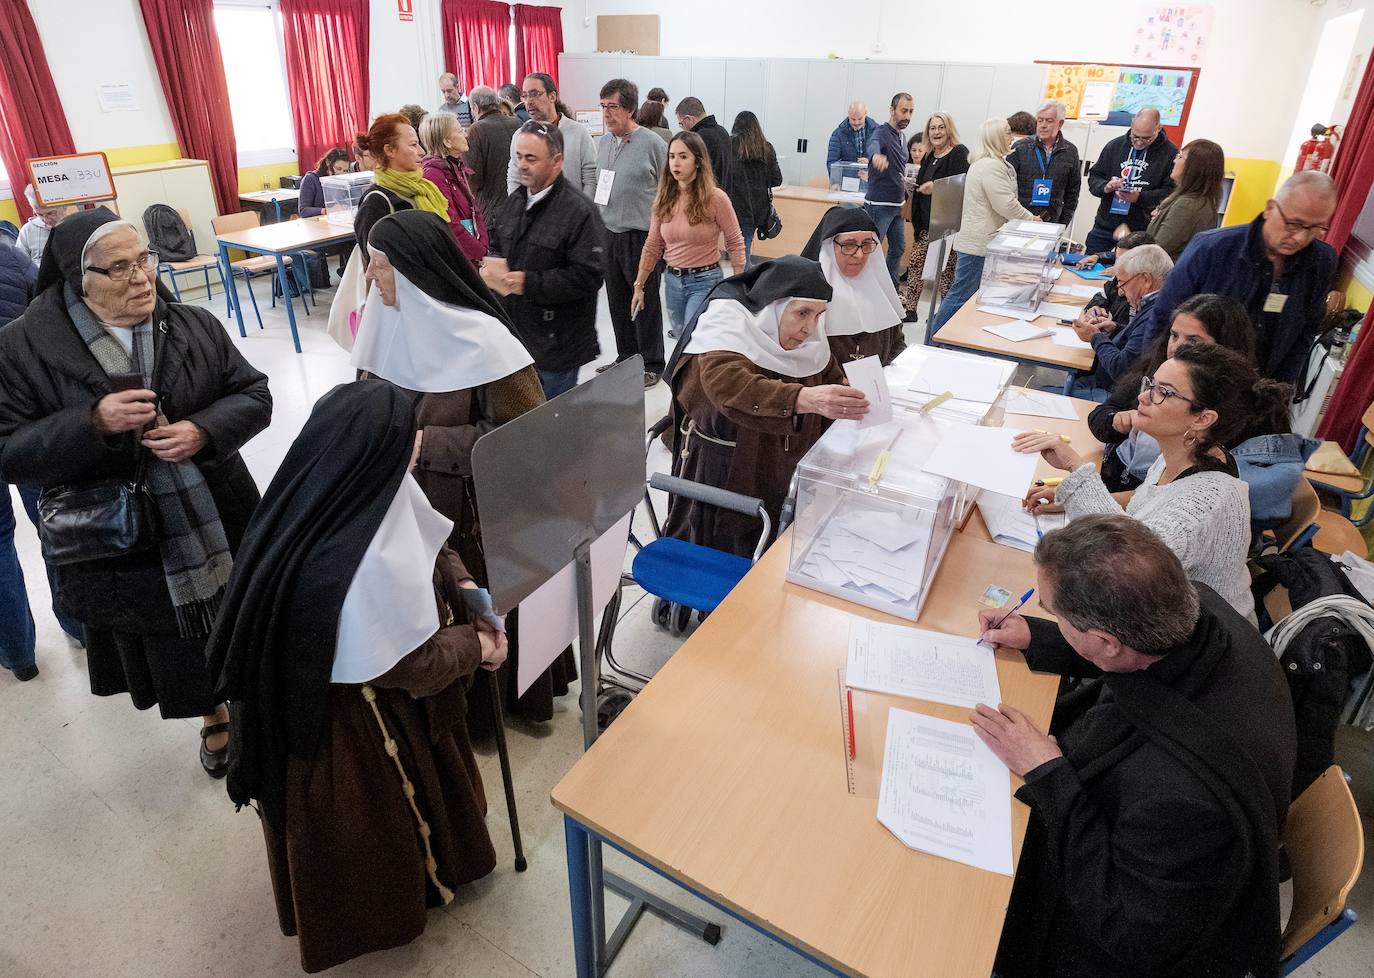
point(499, 719)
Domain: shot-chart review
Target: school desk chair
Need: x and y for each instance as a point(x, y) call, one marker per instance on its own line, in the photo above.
point(1348, 486)
point(1325, 844)
point(200, 263)
point(254, 265)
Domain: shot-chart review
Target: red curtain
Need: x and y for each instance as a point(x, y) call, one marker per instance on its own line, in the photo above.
point(32, 122)
point(477, 41)
point(186, 49)
point(538, 40)
point(326, 73)
point(1353, 171)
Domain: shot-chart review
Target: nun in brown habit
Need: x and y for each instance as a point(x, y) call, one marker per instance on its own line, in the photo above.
point(431, 328)
point(865, 314)
point(754, 387)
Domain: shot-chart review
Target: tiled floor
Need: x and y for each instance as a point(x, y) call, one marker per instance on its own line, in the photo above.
point(119, 857)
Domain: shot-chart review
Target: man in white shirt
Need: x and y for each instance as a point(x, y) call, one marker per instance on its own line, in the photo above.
point(540, 97)
point(33, 236)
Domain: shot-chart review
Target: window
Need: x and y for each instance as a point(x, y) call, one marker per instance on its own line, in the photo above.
point(250, 42)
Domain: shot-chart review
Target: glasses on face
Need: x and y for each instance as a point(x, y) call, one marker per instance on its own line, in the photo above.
point(533, 95)
point(1137, 140)
point(852, 248)
point(1295, 228)
point(128, 271)
point(611, 107)
point(1158, 393)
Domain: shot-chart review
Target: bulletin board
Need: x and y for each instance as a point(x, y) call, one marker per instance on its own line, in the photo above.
point(1169, 88)
point(635, 33)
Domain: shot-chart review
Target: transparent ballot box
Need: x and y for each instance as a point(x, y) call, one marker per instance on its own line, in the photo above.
point(342, 194)
point(1020, 266)
point(870, 530)
point(849, 181)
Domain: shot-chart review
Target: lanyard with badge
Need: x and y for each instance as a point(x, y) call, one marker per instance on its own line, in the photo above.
point(1128, 180)
point(606, 177)
point(1040, 188)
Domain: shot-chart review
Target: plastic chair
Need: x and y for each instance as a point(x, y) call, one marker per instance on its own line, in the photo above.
point(200, 263)
point(1348, 496)
point(1325, 844)
point(1301, 524)
point(254, 265)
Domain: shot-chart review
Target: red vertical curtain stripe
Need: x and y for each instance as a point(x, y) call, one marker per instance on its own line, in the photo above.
point(186, 50)
point(32, 122)
point(538, 40)
point(326, 72)
point(1353, 171)
point(477, 41)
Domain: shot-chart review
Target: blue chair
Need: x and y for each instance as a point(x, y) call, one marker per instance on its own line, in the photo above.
point(201, 263)
point(1347, 495)
point(1325, 844)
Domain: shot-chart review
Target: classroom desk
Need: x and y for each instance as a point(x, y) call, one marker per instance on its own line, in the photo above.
point(726, 775)
point(260, 200)
point(279, 240)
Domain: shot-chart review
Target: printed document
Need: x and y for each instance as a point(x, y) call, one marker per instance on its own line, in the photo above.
point(921, 664)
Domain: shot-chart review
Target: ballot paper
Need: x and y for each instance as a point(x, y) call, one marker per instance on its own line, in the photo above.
point(1041, 404)
point(1059, 310)
point(1065, 336)
point(1008, 312)
point(968, 379)
point(1082, 291)
point(1010, 525)
point(867, 375)
point(924, 665)
point(1017, 331)
point(983, 457)
point(944, 792)
point(872, 553)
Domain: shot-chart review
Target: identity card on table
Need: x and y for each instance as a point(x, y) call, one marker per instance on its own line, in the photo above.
point(921, 664)
point(867, 375)
point(983, 457)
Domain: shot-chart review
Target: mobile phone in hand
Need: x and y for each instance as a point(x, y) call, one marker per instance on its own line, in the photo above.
point(125, 382)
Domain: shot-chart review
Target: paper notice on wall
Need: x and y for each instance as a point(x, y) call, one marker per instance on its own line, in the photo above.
point(1172, 35)
point(117, 97)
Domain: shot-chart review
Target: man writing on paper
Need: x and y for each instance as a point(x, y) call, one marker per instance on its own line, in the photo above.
point(1157, 807)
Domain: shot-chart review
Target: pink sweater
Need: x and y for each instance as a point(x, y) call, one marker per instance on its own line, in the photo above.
point(687, 245)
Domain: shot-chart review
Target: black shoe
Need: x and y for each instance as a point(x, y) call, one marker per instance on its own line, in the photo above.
point(215, 762)
point(25, 673)
point(650, 379)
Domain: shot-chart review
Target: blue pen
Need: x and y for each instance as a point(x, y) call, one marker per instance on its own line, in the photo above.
point(1039, 534)
point(1024, 598)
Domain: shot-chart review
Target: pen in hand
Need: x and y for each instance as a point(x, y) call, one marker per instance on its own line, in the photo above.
point(1000, 621)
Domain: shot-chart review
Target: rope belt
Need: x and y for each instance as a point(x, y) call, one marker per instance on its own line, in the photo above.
point(689, 430)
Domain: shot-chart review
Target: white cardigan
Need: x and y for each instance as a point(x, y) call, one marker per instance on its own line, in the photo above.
point(989, 202)
point(579, 157)
point(1204, 518)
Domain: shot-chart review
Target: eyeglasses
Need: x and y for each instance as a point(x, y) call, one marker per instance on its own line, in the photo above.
point(128, 271)
point(611, 107)
point(1158, 393)
point(540, 94)
point(1297, 227)
point(854, 247)
point(1143, 140)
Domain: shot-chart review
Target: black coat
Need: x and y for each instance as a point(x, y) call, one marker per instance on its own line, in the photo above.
point(718, 144)
point(17, 277)
point(1152, 180)
point(750, 181)
point(1062, 166)
point(49, 384)
point(560, 245)
point(376, 204)
point(1152, 849)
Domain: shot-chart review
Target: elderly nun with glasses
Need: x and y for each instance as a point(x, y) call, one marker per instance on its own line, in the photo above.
point(129, 410)
point(864, 318)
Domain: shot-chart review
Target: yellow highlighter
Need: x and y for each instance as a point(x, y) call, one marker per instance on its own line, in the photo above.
point(879, 467)
point(1049, 483)
point(1064, 438)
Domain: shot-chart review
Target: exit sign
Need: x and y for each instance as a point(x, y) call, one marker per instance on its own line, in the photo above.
point(405, 9)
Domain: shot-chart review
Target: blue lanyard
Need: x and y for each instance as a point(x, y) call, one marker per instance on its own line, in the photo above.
point(1041, 158)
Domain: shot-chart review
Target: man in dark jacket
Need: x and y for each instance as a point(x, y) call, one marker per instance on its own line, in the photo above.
point(1048, 173)
point(888, 185)
point(547, 260)
point(1277, 266)
point(488, 153)
point(17, 275)
point(692, 117)
point(1158, 805)
point(849, 141)
point(1131, 175)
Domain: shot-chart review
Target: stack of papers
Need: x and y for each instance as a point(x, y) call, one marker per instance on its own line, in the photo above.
point(877, 554)
point(1006, 312)
point(921, 664)
point(1041, 404)
point(1017, 331)
point(1065, 336)
point(1010, 525)
point(1082, 291)
point(1059, 310)
point(983, 457)
point(968, 379)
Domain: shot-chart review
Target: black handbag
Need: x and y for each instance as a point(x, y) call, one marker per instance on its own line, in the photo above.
point(103, 519)
point(772, 224)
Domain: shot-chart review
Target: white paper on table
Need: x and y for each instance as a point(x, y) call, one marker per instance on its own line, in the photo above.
point(967, 379)
point(944, 792)
point(1084, 291)
point(994, 309)
point(983, 457)
point(548, 617)
point(1065, 336)
point(1058, 271)
point(1059, 310)
point(922, 664)
point(1017, 331)
point(867, 375)
point(1010, 525)
point(1041, 404)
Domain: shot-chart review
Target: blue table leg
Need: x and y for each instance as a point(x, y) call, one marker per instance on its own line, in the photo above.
point(1069, 377)
point(286, 294)
point(580, 892)
point(233, 287)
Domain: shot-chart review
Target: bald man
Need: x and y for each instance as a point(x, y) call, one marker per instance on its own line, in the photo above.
point(1277, 266)
point(851, 136)
point(1131, 175)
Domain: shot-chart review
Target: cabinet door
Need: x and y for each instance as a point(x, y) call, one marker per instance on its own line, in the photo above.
point(1016, 88)
point(708, 84)
point(965, 92)
point(827, 98)
point(784, 114)
point(873, 83)
point(582, 75)
point(673, 75)
point(745, 90)
point(922, 80)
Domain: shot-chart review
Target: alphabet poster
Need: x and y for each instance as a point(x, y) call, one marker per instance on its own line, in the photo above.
point(1172, 35)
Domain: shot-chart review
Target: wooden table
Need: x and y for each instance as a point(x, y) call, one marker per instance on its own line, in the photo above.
point(279, 240)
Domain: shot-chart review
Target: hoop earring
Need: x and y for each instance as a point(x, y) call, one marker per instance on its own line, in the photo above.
point(1190, 438)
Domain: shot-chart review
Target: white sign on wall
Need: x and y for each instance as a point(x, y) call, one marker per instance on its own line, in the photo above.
point(592, 119)
point(74, 179)
point(117, 97)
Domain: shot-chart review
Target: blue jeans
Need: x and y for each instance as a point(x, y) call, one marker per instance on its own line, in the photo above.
point(748, 231)
point(16, 621)
point(686, 293)
point(890, 226)
point(557, 382)
point(1099, 240)
point(968, 276)
point(29, 493)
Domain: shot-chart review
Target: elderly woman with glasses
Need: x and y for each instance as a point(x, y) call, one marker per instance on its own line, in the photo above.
point(864, 318)
point(105, 382)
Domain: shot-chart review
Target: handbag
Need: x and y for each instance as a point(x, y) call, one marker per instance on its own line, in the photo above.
point(345, 311)
point(109, 518)
point(771, 226)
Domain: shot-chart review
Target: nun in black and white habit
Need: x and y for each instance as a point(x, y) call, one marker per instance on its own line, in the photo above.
point(865, 314)
point(342, 645)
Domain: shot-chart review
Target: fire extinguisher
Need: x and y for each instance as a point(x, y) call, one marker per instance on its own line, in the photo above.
point(1316, 153)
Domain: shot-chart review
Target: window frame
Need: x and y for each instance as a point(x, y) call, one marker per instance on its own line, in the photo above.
point(275, 154)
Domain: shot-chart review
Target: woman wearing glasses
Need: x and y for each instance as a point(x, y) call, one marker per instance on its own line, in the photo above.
point(106, 381)
point(864, 318)
point(1197, 402)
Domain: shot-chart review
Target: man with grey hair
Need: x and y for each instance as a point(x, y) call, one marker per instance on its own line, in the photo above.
point(455, 102)
point(1048, 173)
point(1131, 175)
point(1157, 806)
point(1140, 273)
point(849, 141)
point(33, 236)
point(489, 142)
point(542, 104)
point(1277, 266)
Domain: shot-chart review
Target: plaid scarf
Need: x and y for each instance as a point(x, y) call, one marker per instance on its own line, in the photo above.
point(195, 553)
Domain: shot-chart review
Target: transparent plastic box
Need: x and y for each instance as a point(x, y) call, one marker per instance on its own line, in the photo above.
point(849, 180)
point(876, 543)
point(1020, 265)
point(342, 194)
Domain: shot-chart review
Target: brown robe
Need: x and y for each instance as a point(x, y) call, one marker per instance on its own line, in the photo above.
point(349, 872)
point(725, 397)
point(885, 344)
point(452, 422)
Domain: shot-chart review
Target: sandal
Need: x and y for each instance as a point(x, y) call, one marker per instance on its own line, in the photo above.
point(215, 762)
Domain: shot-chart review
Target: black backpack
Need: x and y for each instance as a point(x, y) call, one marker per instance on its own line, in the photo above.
point(168, 234)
